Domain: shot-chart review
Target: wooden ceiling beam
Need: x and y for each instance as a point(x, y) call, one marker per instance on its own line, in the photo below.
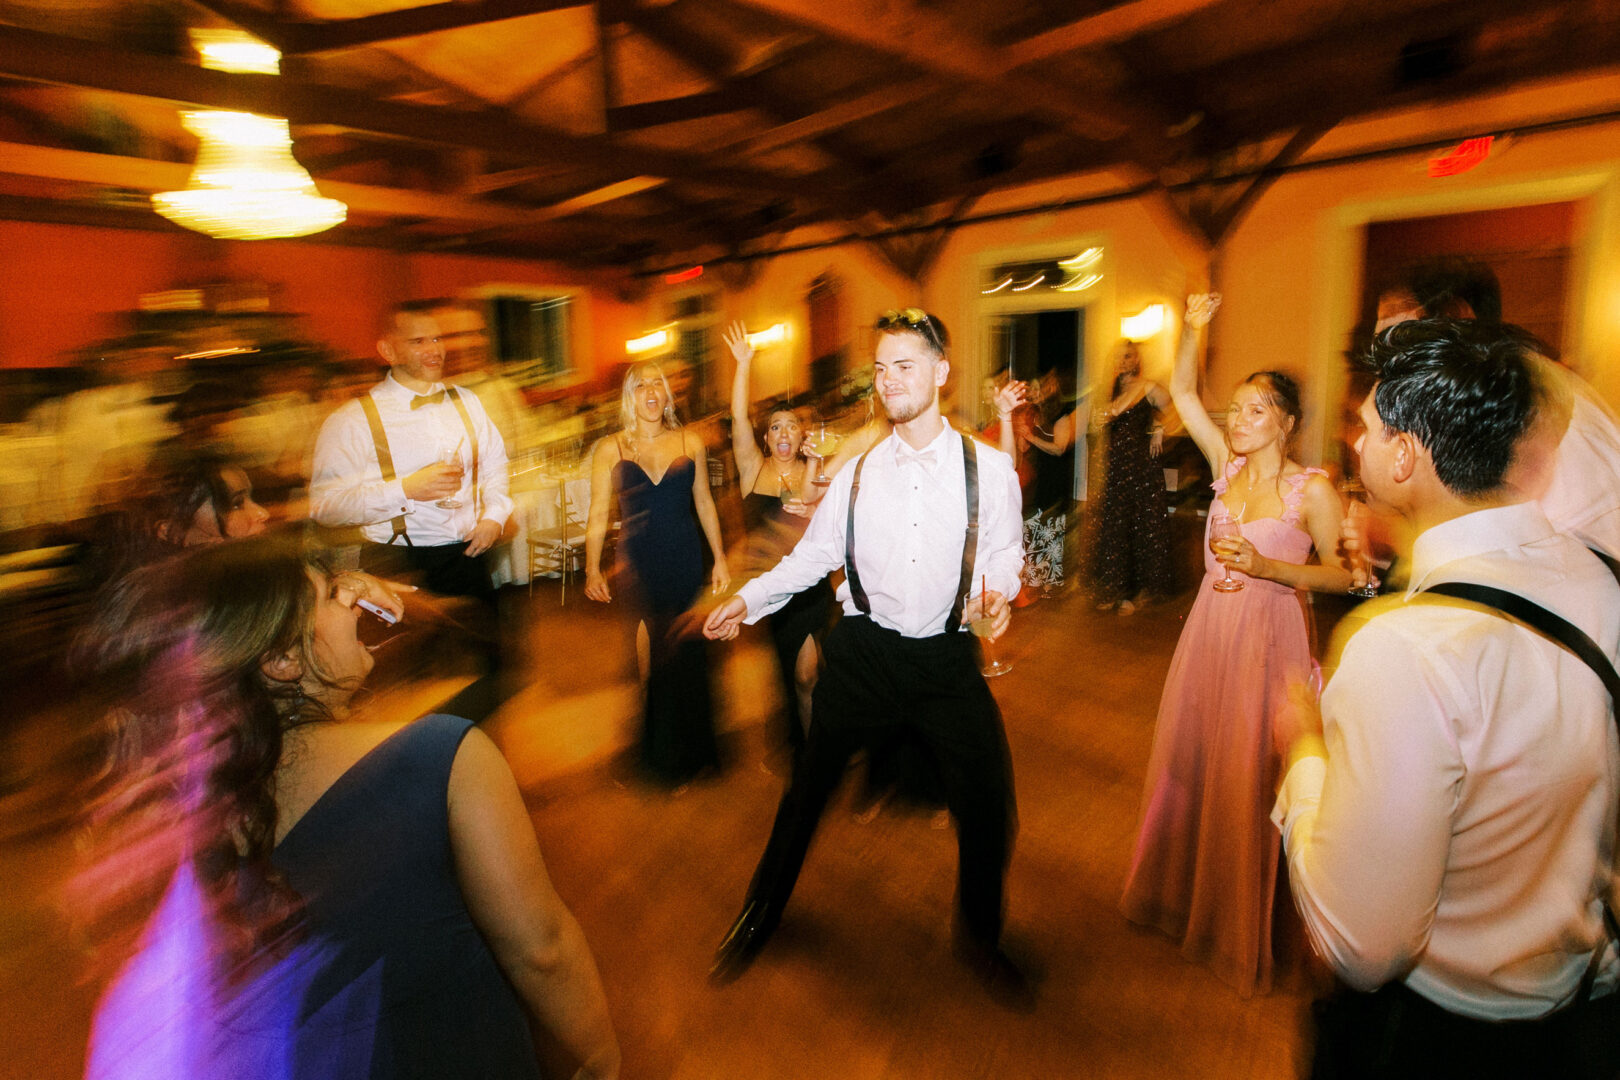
point(316, 37)
point(143, 174)
point(649, 114)
point(1117, 24)
point(893, 96)
point(928, 41)
point(50, 58)
point(658, 26)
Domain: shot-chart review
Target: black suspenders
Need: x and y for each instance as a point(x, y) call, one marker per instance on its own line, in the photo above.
point(385, 458)
point(970, 542)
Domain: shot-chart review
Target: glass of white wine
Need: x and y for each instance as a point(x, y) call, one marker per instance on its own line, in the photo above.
point(1225, 527)
point(1355, 498)
point(450, 454)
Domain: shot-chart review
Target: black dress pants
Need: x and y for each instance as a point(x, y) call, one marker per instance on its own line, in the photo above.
point(878, 682)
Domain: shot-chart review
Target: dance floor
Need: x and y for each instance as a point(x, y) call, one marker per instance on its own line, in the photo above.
point(859, 981)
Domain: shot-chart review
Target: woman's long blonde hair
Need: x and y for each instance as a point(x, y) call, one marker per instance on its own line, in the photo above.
point(627, 397)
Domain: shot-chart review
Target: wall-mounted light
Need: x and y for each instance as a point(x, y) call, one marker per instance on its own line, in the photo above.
point(1144, 324)
point(656, 341)
point(771, 335)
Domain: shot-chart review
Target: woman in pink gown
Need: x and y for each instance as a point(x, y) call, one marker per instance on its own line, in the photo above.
point(1204, 870)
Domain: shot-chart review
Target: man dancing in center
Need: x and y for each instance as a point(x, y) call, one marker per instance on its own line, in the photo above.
point(926, 526)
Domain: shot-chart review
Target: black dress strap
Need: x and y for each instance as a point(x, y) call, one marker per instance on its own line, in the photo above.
point(385, 460)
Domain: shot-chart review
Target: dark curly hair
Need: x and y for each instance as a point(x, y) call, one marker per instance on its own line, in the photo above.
point(1462, 388)
point(194, 728)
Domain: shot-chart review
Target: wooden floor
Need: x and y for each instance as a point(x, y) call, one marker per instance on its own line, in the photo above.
point(858, 982)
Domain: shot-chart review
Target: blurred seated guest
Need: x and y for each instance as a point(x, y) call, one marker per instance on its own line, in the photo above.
point(301, 933)
point(665, 521)
point(421, 471)
point(775, 484)
point(184, 498)
point(1449, 818)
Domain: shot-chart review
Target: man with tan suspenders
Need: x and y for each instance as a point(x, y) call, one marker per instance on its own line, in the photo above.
point(927, 529)
point(421, 471)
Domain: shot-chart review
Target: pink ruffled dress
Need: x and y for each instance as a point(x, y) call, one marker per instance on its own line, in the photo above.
point(1205, 866)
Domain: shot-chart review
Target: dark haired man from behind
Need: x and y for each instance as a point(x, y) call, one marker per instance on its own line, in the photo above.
point(1449, 817)
point(1570, 463)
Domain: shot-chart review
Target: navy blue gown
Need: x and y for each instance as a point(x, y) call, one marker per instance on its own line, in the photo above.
point(663, 548)
point(405, 985)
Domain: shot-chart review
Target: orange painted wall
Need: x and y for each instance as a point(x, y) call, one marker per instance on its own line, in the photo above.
point(68, 286)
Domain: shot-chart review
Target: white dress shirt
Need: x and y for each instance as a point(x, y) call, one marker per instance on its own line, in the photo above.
point(910, 522)
point(1583, 497)
point(348, 488)
point(1461, 827)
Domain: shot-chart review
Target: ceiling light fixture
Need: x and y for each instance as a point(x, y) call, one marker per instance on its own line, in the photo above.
point(246, 184)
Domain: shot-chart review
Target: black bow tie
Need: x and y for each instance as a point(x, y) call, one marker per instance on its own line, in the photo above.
point(427, 399)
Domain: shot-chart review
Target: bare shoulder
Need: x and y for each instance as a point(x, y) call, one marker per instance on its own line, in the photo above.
point(479, 765)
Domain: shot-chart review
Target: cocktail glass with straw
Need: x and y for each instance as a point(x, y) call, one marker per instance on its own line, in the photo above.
point(981, 627)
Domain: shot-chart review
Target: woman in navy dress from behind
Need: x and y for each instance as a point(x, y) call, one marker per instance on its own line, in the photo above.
point(340, 896)
point(660, 473)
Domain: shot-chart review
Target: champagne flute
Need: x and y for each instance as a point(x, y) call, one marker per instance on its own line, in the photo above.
point(993, 665)
point(451, 455)
point(1355, 497)
point(1225, 527)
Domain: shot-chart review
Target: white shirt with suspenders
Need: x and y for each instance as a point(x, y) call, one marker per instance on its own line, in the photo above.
point(369, 444)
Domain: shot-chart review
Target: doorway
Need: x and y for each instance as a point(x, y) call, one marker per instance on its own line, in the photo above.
point(1046, 347)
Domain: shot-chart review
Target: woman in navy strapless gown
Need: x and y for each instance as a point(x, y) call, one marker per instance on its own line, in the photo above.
point(661, 477)
point(340, 896)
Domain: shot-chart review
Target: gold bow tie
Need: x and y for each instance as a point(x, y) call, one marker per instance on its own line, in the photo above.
point(427, 399)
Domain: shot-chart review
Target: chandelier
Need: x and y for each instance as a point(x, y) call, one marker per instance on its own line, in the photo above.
point(246, 184)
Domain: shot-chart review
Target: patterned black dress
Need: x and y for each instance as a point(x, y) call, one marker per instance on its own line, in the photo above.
point(1129, 543)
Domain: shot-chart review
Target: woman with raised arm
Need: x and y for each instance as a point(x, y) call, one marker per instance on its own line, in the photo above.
point(1129, 542)
point(660, 473)
point(1204, 869)
point(341, 896)
point(775, 486)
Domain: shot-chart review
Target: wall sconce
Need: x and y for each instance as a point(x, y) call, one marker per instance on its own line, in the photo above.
point(657, 341)
point(771, 335)
point(1144, 324)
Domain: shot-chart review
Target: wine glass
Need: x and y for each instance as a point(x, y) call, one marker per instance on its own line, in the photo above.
point(1355, 497)
point(822, 444)
point(993, 665)
point(451, 455)
point(1225, 527)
